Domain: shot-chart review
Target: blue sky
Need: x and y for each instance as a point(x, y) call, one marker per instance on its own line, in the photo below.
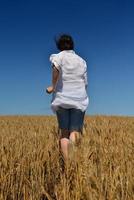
point(103, 32)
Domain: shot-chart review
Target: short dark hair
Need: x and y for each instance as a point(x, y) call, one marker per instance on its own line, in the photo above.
point(64, 42)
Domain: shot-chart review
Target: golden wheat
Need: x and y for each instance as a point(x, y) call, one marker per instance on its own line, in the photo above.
point(101, 168)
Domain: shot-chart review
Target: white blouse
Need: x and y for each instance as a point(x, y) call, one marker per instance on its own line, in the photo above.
point(71, 87)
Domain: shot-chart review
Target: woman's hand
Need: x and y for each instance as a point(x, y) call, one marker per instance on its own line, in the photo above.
point(50, 89)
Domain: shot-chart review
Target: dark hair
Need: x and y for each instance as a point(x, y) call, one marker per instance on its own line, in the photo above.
point(64, 42)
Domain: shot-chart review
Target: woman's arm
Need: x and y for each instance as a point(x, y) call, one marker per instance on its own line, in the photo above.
point(55, 77)
point(85, 76)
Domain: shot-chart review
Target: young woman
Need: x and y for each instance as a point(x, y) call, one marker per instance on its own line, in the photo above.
point(69, 88)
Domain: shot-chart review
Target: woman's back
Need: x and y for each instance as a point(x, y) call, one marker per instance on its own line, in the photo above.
point(72, 70)
point(71, 87)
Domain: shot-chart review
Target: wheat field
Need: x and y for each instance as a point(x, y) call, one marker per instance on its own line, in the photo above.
point(101, 167)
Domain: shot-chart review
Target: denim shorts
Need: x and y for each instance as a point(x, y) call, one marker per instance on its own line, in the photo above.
point(70, 119)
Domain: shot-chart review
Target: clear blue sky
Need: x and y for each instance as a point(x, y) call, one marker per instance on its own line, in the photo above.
point(103, 32)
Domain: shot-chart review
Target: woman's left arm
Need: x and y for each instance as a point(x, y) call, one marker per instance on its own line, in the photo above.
point(55, 78)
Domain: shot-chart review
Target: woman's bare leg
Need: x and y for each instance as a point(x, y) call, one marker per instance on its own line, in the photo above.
point(64, 143)
point(74, 136)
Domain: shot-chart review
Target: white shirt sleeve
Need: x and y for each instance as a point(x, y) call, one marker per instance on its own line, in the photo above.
point(56, 60)
point(85, 75)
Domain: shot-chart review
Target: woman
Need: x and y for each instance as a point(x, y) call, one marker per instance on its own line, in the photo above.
point(69, 88)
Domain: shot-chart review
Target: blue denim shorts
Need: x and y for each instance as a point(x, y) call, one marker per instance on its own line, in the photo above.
point(70, 119)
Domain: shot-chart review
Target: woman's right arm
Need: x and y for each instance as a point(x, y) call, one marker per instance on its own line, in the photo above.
point(85, 77)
